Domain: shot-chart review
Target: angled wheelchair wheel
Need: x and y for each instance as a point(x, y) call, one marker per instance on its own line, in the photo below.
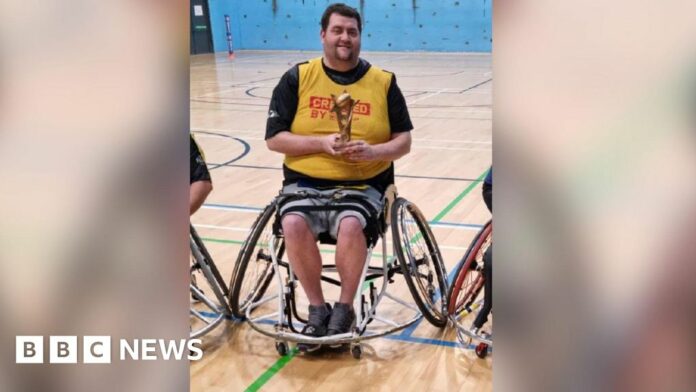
point(207, 260)
point(253, 271)
point(209, 293)
point(468, 278)
point(420, 260)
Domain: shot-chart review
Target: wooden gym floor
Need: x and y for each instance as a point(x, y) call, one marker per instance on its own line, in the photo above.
point(449, 99)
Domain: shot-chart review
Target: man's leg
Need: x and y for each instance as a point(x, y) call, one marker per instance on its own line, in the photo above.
point(304, 256)
point(482, 316)
point(305, 259)
point(351, 251)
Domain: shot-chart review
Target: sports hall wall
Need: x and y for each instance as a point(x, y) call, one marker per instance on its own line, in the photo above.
point(388, 25)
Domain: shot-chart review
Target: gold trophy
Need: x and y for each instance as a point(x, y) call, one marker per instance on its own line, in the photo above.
point(343, 107)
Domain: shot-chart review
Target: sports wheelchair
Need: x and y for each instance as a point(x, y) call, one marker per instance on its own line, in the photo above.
point(209, 292)
point(467, 291)
point(261, 261)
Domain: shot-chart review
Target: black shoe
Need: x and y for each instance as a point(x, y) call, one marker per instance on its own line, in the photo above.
point(342, 319)
point(316, 326)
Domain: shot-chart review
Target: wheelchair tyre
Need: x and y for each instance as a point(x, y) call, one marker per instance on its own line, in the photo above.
point(208, 259)
point(282, 348)
point(481, 350)
point(356, 351)
point(209, 293)
point(253, 270)
point(468, 281)
point(420, 260)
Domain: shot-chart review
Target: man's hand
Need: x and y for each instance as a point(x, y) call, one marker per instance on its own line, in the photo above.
point(359, 150)
point(331, 144)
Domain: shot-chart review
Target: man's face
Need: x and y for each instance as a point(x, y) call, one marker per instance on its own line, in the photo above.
point(341, 39)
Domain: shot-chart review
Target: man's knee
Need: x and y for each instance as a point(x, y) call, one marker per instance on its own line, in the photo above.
point(294, 226)
point(350, 226)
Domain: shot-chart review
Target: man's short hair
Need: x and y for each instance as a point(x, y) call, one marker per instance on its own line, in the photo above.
point(343, 10)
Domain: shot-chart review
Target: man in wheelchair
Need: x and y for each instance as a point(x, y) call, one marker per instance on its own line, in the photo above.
point(318, 162)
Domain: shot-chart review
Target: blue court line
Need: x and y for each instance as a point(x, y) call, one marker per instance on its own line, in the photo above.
point(434, 342)
point(404, 336)
point(214, 315)
point(232, 207)
point(452, 224)
point(247, 208)
point(400, 337)
point(408, 331)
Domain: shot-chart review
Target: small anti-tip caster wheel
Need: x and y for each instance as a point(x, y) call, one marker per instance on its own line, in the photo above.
point(481, 350)
point(356, 351)
point(282, 348)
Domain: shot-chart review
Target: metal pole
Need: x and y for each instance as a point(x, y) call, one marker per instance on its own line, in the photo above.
point(230, 52)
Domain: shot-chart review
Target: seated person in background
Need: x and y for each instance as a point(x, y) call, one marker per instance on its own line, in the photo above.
point(482, 316)
point(201, 185)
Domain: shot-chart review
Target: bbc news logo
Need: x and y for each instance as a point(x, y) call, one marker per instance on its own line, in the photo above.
point(97, 349)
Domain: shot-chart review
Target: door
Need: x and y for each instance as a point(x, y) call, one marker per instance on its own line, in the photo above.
point(201, 34)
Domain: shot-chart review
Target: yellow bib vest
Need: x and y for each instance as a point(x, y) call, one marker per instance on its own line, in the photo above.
point(314, 117)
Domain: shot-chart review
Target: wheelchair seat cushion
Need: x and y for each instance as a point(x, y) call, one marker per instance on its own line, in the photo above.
point(323, 209)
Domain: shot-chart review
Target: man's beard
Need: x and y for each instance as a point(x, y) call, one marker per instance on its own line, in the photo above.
point(345, 54)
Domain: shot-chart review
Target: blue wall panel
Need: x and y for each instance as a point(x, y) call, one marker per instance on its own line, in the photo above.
point(389, 25)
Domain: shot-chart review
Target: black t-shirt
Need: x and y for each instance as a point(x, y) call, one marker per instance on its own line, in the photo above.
point(199, 170)
point(283, 107)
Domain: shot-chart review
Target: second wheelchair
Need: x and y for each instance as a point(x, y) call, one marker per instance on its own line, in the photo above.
point(468, 308)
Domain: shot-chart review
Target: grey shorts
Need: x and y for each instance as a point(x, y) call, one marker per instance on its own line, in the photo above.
point(328, 221)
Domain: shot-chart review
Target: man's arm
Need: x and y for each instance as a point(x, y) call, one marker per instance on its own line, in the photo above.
point(198, 192)
point(201, 184)
point(294, 145)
